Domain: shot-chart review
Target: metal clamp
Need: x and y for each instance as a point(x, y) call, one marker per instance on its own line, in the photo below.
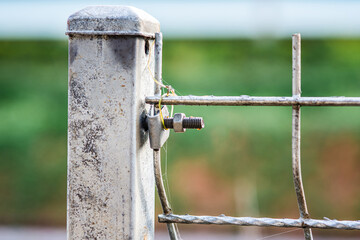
point(157, 134)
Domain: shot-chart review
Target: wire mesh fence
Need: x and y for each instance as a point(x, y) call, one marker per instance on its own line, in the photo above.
point(296, 101)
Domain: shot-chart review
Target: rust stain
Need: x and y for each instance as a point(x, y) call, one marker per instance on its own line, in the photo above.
point(122, 85)
point(146, 233)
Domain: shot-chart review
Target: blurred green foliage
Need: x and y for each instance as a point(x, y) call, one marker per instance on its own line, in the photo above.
point(239, 144)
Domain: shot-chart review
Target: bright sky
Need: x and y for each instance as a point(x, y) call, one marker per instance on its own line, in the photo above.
point(214, 19)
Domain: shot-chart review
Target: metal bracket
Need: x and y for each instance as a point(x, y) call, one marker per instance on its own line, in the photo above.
point(157, 134)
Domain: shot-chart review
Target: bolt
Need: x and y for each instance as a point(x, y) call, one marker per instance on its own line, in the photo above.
point(187, 122)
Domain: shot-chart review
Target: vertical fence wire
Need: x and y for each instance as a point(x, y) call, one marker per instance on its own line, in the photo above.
point(296, 113)
point(172, 227)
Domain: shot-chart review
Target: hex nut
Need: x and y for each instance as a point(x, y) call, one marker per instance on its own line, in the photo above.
point(178, 122)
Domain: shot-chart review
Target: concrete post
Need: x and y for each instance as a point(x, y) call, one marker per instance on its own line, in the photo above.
point(110, 168)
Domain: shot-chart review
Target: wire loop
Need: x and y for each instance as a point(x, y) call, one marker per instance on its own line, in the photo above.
point(169, 89)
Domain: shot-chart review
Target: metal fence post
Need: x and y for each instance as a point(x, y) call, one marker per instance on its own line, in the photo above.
point(110, 168)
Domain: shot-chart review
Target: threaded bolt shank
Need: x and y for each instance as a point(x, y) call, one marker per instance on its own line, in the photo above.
point(188, 122)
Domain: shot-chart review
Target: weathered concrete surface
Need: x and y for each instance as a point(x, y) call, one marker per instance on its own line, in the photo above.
point(110, 173)
point(114, 20)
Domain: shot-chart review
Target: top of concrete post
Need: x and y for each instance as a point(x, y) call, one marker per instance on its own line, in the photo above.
point(112, 20)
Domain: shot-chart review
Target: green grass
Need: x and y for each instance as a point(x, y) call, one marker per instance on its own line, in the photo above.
point(238, 143)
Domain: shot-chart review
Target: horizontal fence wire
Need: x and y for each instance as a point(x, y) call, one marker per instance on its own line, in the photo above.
point(261, 222)
point(245, 100)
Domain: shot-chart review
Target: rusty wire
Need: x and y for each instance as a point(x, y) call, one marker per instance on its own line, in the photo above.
point(296, 159)
point(261, 222)
point(245, 100)
point(172, 228)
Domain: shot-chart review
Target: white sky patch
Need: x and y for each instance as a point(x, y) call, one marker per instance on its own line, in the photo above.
point(199, 19)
